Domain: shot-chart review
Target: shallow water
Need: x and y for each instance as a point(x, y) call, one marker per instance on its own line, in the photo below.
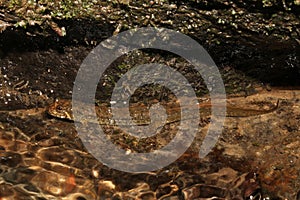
point(43, 157)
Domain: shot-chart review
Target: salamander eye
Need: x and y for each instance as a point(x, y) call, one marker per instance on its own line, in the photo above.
point(256, 195)
point(59, 108)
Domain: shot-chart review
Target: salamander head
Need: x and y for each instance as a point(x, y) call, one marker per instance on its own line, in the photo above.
point(61, 108)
